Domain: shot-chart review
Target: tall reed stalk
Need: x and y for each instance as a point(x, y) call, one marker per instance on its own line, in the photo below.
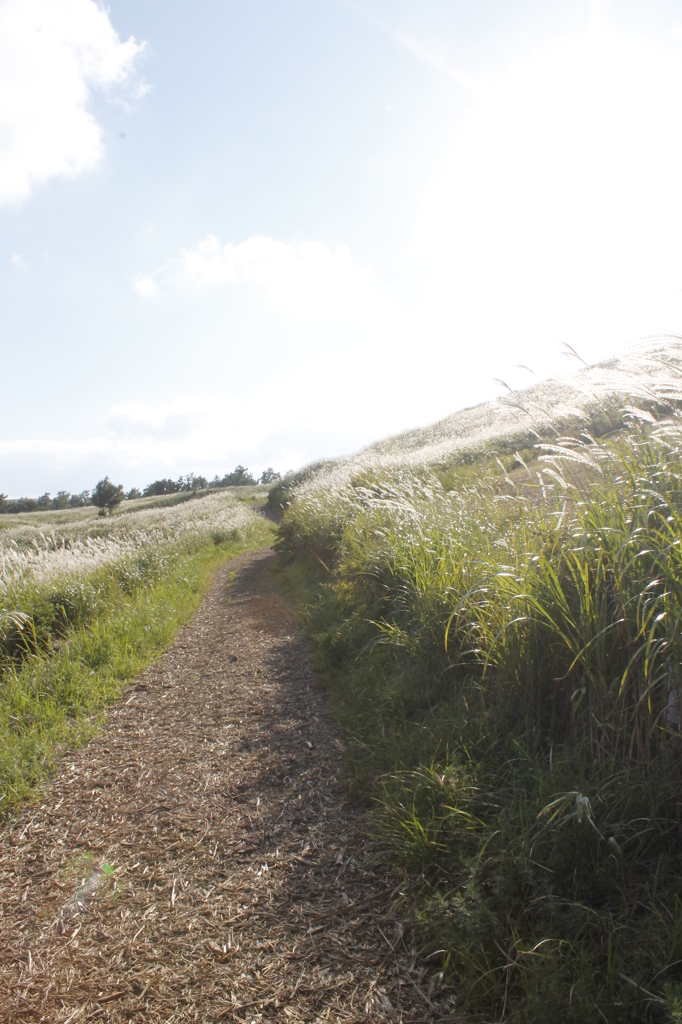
point(506, 656)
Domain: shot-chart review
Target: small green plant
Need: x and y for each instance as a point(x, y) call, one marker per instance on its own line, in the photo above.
point(673, 1002)
point(224, 536)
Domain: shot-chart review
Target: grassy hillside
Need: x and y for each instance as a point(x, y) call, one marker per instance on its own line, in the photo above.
point(51, 518)
point(86, 603)
point(501, 638)
point(593, 397)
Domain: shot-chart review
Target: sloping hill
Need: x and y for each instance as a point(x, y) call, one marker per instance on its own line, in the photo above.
point(649, 372)
point(503, 651)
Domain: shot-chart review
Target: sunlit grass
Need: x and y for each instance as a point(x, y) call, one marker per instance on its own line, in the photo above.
point(38, 549)
point(70, 642)
point(505, 656)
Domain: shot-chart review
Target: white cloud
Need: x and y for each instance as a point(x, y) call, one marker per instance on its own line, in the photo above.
point(302, 320)
point(52, 53)
point(296, 334)
point(304, 280)
point(158, 418)
point(145, 286)
point(554, 215)
point(141, 439)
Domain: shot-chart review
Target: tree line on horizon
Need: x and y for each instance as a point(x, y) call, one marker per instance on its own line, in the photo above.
point(106, 495)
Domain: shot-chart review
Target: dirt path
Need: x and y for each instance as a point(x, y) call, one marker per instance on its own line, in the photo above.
point(197, 861)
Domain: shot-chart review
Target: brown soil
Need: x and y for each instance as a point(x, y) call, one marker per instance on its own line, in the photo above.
point(198, 860)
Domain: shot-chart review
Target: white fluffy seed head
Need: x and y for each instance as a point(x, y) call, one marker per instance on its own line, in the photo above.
point(36, 555)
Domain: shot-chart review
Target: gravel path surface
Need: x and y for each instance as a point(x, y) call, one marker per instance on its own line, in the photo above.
point(198, 861)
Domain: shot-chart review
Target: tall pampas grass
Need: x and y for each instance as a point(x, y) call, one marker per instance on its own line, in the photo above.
point(504, 641)
point(37, 555)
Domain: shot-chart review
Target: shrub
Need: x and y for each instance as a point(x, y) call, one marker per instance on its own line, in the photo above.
point(222, 536)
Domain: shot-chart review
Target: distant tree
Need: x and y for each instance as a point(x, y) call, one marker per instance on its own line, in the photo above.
point(133, 493)
point(61, 500)
point(3, 502)
point(160, 487)
point(239, 477)
point(269, 476)
point(24, 505)
point(106, 496)
point(191, 482)
point(79, 500)
point(44, 501)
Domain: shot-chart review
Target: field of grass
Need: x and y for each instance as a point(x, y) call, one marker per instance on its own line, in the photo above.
point(502, 644)
point(86, 603)
point(39, 545)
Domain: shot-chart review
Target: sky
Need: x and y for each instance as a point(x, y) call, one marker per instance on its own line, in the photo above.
point(264, 233)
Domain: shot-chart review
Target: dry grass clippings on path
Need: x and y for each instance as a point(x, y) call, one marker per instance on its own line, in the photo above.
point(198, 860)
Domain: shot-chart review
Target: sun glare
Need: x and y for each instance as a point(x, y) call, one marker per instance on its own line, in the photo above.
point(556, 211)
